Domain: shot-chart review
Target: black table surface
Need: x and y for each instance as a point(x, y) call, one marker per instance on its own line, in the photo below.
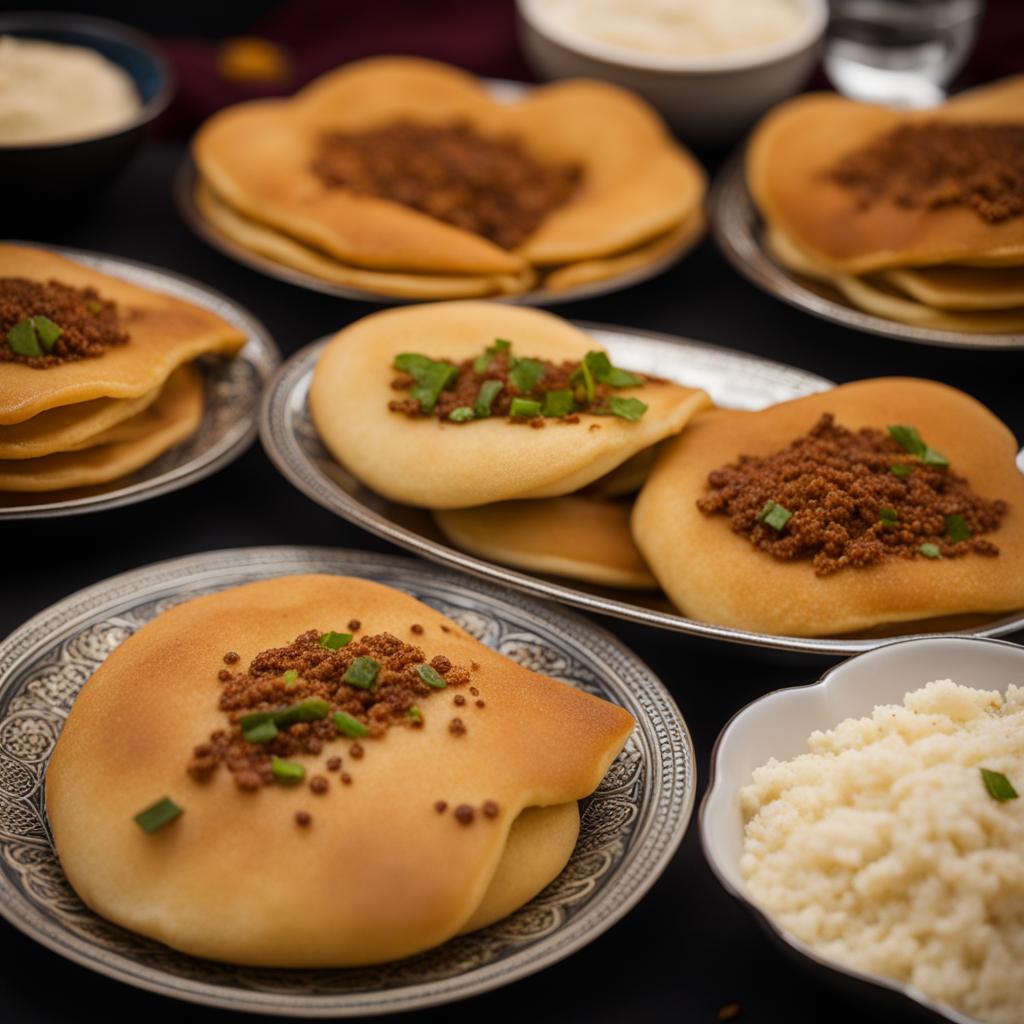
point(687, 950)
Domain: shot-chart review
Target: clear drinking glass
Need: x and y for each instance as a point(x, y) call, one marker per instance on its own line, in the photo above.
point(903, 53)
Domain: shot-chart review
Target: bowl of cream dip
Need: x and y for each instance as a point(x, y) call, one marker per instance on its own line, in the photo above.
point(711, 67)
point(77, 94)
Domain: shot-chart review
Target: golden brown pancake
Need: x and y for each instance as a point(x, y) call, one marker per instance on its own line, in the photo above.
point(379, 874)
point(718, 576)
point(637, 182)
point(955, 288)
point(796, 146)
point(164, 333)
point(424, 461)
point(575, 536)
point(174, 416)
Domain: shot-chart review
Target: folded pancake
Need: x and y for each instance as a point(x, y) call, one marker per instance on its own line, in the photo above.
point(579, 537)
point(69, 426)
point(375, 871)
point(124, 448)
point(952, 287)
point(716, 573)
point(275, 245)
point(874, 295)
point(422, 460)
point(797, 149)
point(163, 332)
point(636, 182)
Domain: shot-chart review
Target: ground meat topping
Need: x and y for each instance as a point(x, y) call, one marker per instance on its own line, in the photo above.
point(489, 186)
point(847, 498)
point(43, 325)
point(294, 699)
point(933, 164)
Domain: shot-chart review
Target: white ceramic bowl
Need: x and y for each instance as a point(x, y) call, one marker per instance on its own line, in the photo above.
point(778, 725)
point(708, 100)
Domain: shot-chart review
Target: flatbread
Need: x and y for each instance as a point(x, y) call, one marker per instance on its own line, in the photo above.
point(574, 536)
point(637, 182)
point(165, 332)
point(175, 415)
point(974, 288)
point(69, 426)
point(277, 246)
point(715, 575)
point(875, 297)
point(379, 874)
point(423, 461)
point(794, 148)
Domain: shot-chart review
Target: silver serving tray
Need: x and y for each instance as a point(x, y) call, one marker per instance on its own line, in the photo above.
point(733, 379)
point(738, 230)
point(630, 828)
point(232, 394)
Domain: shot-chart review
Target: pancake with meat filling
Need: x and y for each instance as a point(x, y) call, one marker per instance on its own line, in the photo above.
point(318, 771)
point(494, 403)
point(878, 502)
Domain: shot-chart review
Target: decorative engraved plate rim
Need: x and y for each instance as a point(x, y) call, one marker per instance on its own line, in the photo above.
point(666, 783)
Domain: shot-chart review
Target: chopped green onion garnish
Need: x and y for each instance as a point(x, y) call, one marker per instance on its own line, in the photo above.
point(22, 338)
point(349, 725)
point(888, 516)
point(288, 772)
point(163, 812)
point(998, 785)
point(431, 377)
point(431, 677)
point(524, 407)
point(482, 363)
point(362, 673)
point(489, 391)
point(910, 441)
point(461, 414)
point(557, 403)
point(310, 710)
point(412, 363)
point(933, 458)
point(627, 408)
point(901, 470)
point(415, 714)
point(957, 528)
point(258, 727)
point(335, 641)
point(774, 515)
point(930, 550)
point(94, 306)
point(601, 367)
point(47, 331)
point(291, 677)
point(584, 375)
point(525, 374)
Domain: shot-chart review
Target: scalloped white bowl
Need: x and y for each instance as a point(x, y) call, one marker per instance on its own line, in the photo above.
point(778, 724)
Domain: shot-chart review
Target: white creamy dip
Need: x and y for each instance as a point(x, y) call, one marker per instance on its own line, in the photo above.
point(50, 92)
point(683, 28)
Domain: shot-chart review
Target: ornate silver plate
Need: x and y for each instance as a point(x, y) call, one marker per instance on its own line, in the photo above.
point(733, 379)
point(739, 232)
point(233, 388)
point(631, 826)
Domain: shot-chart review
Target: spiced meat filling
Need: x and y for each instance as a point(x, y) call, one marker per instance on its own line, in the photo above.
point(936, 164)
point(43, 325)
point(319, 688)
point(844, 498)
point(488, 185)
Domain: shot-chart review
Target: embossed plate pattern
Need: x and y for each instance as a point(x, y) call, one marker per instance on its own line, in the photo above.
point(232, 396)
point(630, 827)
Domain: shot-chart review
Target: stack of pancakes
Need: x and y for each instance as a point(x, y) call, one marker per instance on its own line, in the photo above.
point(916, 217)
point(637, 198)
point(87, 421)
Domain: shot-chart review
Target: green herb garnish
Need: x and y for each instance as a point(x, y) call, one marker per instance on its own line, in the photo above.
point(489, 391)
point(774, 515)
point(335, 641)
point(348, 725)
point(957, 528)
point(47, 331)
point(94, 306)
point(584, 377)
point(901, 470)
point(258, 727)
point(415, 714)
point(525, 374)
point(910, 441)
point(888, 516)
point(291, 677)
point(557, 403)
point(362, 673)
point(23, 339)
point(930, 550)
point(461, 414)
point(310, 710)
point(430, 377)
point(601, 367)
point(288, 772)
point(431, 676)
point(483, 363)
point(162, 813)
point(525, 408)
point(627, 408)
point(998, 785)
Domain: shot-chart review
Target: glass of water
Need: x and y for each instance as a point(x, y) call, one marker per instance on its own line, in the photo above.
point(903, 53)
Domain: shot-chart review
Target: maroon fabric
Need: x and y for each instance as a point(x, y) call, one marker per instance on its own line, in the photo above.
point(478, 35)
